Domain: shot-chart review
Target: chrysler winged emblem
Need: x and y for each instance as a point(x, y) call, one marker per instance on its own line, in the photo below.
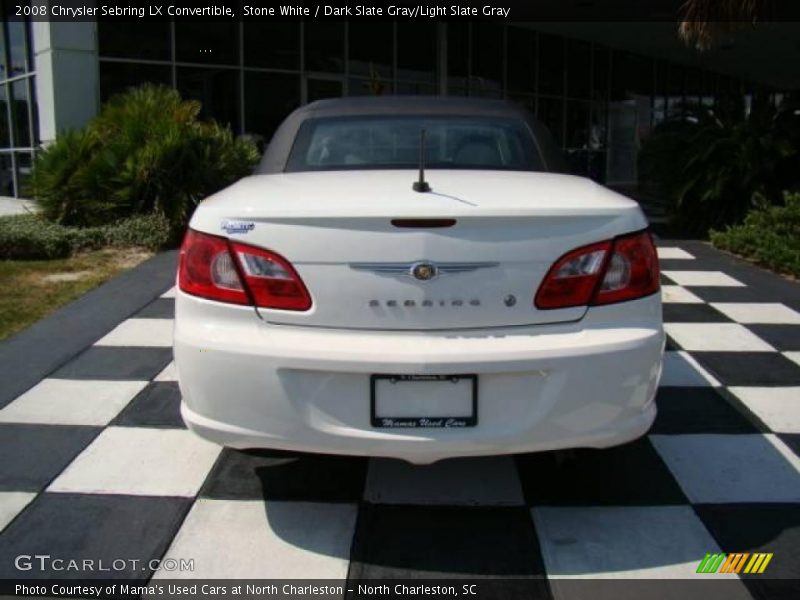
point(422, 270)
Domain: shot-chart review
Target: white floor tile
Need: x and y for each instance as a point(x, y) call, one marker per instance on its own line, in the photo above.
point(170, 373)
point(620, 542)
point(778, 407)
point(11, 504)
point(793, 356)
point(721, 337)
point(140, 332)
point(265, 540)
point(714, 468)
point(469, 481)
point(681, 370)
point(703, 278)
point(140, 461)
point(758, 312)
point(170, 293)
point(673, 253)
point(675, 294)
point(71, 402)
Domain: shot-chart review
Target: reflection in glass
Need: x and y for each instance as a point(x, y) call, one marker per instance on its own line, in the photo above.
point(207, 42)
point(551, 113)
point(268, 99)
point(371, 48)
point(19, 113)
point(272, 44)
point(324, 46)
point(522, 60)
point(551, 64)
point(117, 77)
point(457, 57)
point(417, 51)
point(487, 57)
point(134, 39)
point(216, 89)
point(323, 88)
point(5, 135)
point(23, 160)
point(6, 175)
point(579, 56)
point(17, 47)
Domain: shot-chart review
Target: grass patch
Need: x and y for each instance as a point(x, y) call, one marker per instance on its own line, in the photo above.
point(34, 289)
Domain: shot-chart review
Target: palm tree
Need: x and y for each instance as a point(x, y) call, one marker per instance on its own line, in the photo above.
point(703, 21)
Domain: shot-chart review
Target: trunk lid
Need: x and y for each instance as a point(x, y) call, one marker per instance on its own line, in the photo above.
point(336, 229)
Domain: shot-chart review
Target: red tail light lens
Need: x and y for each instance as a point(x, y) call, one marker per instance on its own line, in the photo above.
point(603, 273)
point(214, 268)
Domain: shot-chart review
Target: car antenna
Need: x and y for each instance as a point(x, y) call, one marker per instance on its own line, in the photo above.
point(421, 185)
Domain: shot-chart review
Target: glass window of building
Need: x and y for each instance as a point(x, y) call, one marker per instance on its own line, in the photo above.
point(268, 98)
point(579, 69)
point(601, 57)
point(17, 47)
point(487, 59)
point(551, 65)
point(20, 116)
point(148, 40)
point(417, 49)
point(371, 49)
point(272, 45)
point(324, 46)
point(320, 88)
point(521, 68)
point(207, 42)
point(5, 133)
point(632, 76)
point(457, 57)
point(117, 77)
point(216, 88)
point(550, 112)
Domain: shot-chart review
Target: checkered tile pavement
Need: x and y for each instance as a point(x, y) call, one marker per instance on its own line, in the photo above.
point(97, 463)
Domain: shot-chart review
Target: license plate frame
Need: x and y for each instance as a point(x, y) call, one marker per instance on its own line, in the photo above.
point(431, 422)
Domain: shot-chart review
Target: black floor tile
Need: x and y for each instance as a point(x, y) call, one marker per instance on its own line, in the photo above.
point(684, 410)
point(428, 542)
point(713, 293)
point(752, 528)
point(33, 455)
point(274, 475)
point(692, 313)
point(116, 363)
point(629, 475)
point(92, 526)
point(782, 337)
point(750, 368)
point(160, 308)
point(157, 405)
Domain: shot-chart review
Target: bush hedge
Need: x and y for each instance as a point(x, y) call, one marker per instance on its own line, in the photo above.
point(769, 235)
point(32, 237)
point(146, 152)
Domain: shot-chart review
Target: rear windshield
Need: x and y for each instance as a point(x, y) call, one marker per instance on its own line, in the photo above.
point(393, 143)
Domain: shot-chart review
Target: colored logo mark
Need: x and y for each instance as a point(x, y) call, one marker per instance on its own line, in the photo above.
point(737, 562)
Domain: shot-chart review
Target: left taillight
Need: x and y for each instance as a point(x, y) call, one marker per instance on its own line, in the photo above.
point(624, 268)
point(215, 268)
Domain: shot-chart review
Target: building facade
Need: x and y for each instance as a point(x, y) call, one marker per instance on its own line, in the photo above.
point(599, 102)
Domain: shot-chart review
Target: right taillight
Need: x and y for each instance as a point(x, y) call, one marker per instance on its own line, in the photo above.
point(215, 268)
point(622, 269)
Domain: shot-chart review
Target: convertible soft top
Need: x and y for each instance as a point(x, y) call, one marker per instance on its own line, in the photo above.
point(277, 153)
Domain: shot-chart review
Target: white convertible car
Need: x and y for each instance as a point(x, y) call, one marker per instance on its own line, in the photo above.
point(413, 278)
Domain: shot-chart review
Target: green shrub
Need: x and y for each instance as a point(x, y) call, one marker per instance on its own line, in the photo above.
point(31, 237)
point(146, 152)
point(769, 235)
point(710, 163)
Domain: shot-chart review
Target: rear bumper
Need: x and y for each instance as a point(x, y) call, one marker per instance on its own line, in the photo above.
point(248, 384)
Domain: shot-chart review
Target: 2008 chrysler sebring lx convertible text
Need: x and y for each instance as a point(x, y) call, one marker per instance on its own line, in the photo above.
point(341, 300)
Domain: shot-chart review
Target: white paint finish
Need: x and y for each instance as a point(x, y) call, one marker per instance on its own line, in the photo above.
point(170, 373)
point(671, 253)
point(140, 461)
point(682, 370)
point(71, 402)
point(140, 332)
point(758, 312)
point(11, 504)
point(621, 542)
point(703, 278)
point(675, 294)
point(264, 540)
point(170, 293)
point(489, 481)
point(716, 468)
point(721, 337)
point(778, 407)
point(793, 356)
